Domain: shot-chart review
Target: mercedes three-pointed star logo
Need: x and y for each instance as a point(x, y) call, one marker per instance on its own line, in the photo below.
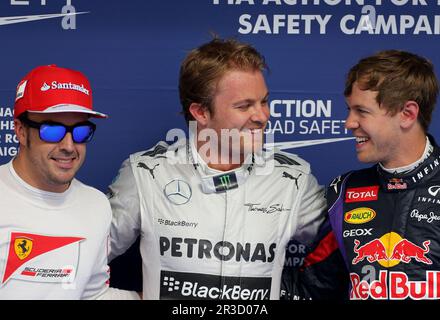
point(178, 192)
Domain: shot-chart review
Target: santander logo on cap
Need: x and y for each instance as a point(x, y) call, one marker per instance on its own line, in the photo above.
point(64, 85)
point(45, 87)
point(52, 89)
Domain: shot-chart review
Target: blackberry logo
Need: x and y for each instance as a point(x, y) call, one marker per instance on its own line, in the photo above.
point(171, 283)
point(180, 285)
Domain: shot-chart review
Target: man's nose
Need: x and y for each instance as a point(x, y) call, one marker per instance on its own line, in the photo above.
point(67, 143)
point(351, 122)
point(261, 114)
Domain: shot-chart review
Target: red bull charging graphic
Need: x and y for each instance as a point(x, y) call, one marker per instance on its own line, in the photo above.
point(388, 251)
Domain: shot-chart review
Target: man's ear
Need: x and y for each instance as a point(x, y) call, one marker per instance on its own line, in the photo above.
point(21, 132)
point(200, 113)
point(409, 114)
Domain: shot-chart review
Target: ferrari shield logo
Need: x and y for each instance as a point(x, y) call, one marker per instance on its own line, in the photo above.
point(22, 247)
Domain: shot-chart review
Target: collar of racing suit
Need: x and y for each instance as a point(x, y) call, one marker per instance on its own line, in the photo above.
point(213, 180)
point(393, 182)
point(426, 153)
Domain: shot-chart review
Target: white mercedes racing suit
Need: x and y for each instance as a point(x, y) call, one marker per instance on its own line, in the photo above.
point(197, 243)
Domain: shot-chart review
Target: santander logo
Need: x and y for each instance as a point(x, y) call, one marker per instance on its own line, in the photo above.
point(45, 87)
point(64, 86)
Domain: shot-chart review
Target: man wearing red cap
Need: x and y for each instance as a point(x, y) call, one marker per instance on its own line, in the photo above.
point(53, 229)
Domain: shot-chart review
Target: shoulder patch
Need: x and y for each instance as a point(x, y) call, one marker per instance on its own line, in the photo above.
point(159, 149)
point(336, 186)
point(283, 159)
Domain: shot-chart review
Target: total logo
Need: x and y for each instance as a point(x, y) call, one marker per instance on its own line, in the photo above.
point(390, 250)
point(361, 194)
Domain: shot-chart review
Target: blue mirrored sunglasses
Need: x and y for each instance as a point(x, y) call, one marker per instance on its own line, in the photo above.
point(55, 132)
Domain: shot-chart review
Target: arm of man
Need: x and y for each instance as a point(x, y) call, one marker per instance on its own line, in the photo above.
point(321, 272)
point(124, 200)
point(310, 211)
point(97, 287)
point(324, 274)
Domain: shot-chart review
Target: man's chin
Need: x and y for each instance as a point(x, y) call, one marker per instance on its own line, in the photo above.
point(63, 178)
point(365, 159)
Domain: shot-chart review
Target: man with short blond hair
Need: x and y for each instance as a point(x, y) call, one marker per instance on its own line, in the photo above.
point(215, 215)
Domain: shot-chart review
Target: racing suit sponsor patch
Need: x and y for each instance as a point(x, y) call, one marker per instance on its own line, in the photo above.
point(182, 285)
point(396, 286)
point(359, 215)
point(222, 250)
point(391, 249)
point(40, 258)
point(361, 194)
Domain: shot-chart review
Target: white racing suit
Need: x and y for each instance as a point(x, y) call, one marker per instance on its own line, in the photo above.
point(197, 243)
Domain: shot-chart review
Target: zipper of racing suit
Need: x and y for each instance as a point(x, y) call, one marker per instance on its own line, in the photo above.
point(222, 278)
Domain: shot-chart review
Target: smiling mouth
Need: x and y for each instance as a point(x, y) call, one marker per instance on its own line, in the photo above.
point(361, 140)
point(253, 131)
point(63, 160)
point(64, 163)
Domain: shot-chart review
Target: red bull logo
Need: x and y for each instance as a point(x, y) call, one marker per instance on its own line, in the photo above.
point(396, 184)
point(406, 250)
point(390, 250)
point(395, 286)
point(373, 251)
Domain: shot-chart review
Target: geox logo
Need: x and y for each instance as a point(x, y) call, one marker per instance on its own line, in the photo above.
point(64, 86)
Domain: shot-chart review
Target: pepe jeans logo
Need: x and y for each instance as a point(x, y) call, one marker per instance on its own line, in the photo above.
point(429, 218)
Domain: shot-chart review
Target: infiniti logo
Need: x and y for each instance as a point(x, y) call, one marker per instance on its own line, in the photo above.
point(434, 190)
point(178, 192)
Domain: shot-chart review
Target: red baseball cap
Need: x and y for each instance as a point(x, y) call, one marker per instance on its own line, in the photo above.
point(51, 89)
